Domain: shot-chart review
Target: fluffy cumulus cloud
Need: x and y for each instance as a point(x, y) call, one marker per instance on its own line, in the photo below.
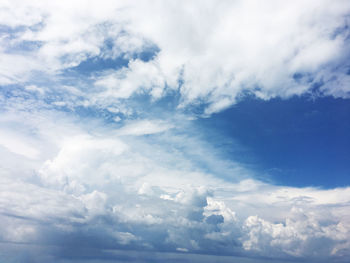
point(211, 53)
point(98, 153)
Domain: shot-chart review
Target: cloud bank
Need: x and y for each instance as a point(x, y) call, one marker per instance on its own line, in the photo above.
point(105, 193)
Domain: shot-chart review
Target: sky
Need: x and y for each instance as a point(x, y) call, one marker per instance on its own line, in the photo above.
point(174, 131)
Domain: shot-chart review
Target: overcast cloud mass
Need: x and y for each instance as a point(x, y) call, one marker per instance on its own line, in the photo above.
point(105, 151)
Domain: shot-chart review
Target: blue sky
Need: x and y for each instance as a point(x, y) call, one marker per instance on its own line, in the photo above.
point(301, 141)
point(195, 131)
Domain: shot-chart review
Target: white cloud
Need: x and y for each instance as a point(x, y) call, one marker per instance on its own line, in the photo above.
point(143, 127)
point(15, 69)
point(16, 144)
point(35, 88)
point(217, 50)
point(139, 76)
point(228, 47)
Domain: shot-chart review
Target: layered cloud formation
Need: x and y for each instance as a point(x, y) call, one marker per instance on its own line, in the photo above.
point(101, 160)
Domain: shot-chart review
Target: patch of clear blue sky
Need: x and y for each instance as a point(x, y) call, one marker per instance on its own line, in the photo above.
point(17, 47)
point(98, 63)
point(298, 141)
